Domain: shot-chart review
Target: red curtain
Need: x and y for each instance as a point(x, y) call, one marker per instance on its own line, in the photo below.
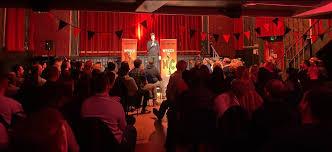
point(44, 26)
point(105, 24)
point(15, 33)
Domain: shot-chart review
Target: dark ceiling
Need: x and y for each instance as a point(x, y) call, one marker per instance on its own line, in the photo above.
point(231, 8)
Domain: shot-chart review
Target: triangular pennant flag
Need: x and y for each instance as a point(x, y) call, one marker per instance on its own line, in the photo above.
point(62, 24)
point(237, 36)
point(247, 34)
point(287, 30)
point(90, 34)
point(321, 36)
point(276, 21)
point(226, 37)
point(76, 31)
point(192, 32)
point(258, 30)
point(216, 37)
point(119, 33)
point(203, 36)
point(304, 36)
point(267, 27)
point(144, 24)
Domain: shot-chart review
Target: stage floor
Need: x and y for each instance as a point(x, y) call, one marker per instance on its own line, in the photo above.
point(148, 138)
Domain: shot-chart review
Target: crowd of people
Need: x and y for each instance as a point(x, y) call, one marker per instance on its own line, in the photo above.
point(210, 106)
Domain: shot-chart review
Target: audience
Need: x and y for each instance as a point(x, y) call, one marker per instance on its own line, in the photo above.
point(213, 106)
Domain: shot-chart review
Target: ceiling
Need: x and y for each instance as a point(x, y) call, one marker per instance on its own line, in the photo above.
point(230, 8)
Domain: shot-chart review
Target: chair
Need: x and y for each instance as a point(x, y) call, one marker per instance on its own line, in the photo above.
point(95, 136)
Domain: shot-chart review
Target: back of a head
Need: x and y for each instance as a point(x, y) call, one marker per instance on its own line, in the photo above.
point(111, 66)
point(137, 63)
point(53, 73)
point(181, 65)
point(320, 103)
point(100, 82)
point(218, 73)
point(124, 69)
point(275, 89)
point(151, 61)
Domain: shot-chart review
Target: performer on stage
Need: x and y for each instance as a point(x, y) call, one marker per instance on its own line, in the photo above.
point(153, 50)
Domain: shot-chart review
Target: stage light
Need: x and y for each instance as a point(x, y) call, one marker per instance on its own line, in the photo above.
point(139, 32)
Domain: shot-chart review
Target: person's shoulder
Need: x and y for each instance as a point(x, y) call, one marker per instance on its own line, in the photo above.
point(10, 101)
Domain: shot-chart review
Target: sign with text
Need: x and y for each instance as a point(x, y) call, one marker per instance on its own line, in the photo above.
point(168, 53)
point(129, 51)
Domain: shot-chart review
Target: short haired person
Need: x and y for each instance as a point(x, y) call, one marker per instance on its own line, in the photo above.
point(153, 50)
point(154, 79)
point(104, 107)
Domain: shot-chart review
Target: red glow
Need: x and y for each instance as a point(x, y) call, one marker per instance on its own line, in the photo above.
point(139, 31)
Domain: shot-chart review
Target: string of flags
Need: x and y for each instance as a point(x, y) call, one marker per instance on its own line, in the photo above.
point(226, 37)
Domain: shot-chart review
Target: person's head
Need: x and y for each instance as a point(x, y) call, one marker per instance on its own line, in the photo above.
point(44, 65)
point(124, 69)
point(88, 65)
point(53, 74)
point(253, 72)
point(240, 72)
point(58, 63)
point(3, 83)
point(313, 61)
point(12, 78)
point(181, 65)
point(218, 73)
point(111, 66)
point(292, 74)
point(226, 61)
point(305, 64)
point(205, 61)
point(153, 36)
point(319, 100)
point(137, 63)
point(101, 83)
point(19, 70)
point(275, 89)
point(37, 70)
point(66, 66)
point(97, 66)
point(131, 120)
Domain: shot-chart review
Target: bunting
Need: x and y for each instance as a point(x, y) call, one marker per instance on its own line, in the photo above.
point(144, 24)
point(247, 35)
point(91, 34)
point(237, 36)
point(192, 32)
point(119, 33)
point(216, 37)
point(62, 24)
point(226, 37)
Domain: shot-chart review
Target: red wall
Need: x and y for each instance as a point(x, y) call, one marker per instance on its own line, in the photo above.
point(44, 26)
point(223, 25)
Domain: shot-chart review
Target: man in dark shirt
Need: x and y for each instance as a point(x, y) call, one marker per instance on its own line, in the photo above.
point(153, 77)
point(153, 50)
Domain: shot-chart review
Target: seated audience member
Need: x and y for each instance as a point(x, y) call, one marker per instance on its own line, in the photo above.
point(12, 89)
point(19, 70)
point(8, 107)
point(106, 108)
point(98, 66)
point(154, 79)
point(175, 87)
point(111, 67)
point(36, 72)
point(57, 63)
point(140, 78)
point(45, 129)
point(303, 72)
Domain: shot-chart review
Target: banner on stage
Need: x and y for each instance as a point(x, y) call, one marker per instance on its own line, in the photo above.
point(129, 51)
point(168, 53)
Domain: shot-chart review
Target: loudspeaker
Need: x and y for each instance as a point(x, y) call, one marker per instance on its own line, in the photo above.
point(247, 56)
point(49, 45)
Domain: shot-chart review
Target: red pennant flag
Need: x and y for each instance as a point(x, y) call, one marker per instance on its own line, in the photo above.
point(267, 27)
point(203, 36)
point(226, 37)
point(76, 31)
point(247, 34)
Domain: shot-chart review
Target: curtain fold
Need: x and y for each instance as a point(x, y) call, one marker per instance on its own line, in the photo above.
point(15, 29)
point(105, 24)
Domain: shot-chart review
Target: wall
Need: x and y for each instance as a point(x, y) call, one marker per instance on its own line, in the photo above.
point(44, 26)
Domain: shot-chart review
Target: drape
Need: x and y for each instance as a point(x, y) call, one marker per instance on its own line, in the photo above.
point(105, 24)
point(44, 27)
point(15, 33)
